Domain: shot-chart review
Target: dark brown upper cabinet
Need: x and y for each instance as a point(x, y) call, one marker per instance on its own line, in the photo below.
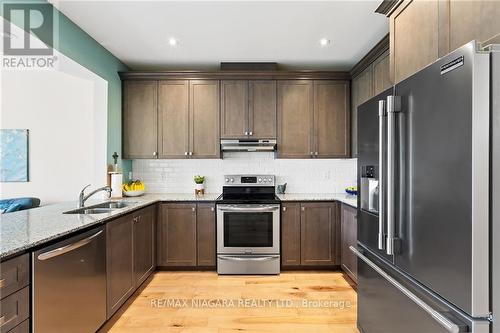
point(173, 118)
point(140, 119)
point(188, 119)
point(331, 119)
point(248, 109)
point(313, 119)
point(262, 109)
point(295, 119)
point(204, 115)
point(320, 234)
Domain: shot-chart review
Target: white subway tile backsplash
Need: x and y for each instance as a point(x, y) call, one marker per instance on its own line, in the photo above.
point(302, 176)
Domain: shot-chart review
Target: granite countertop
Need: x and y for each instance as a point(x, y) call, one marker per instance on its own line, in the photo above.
point(351, 200)
point(20, 231)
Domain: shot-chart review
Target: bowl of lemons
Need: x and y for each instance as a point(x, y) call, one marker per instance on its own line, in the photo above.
point(352, 190)
point(133, 188)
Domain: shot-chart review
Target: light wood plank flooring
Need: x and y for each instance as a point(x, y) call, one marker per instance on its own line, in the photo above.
point(149, 311)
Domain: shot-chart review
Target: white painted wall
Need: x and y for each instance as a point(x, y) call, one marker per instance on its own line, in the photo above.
point(65, 110)
point(302, 176)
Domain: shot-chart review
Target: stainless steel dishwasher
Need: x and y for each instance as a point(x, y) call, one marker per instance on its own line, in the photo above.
point(69, 284)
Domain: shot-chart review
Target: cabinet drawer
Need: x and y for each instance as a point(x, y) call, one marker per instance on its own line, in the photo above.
point(14, 275)
point(14, 309)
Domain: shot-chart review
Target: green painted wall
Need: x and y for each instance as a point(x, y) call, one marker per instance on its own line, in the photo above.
point(76, 44)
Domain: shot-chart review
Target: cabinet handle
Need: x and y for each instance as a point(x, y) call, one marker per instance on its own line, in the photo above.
point(251, 133)
point(303, 208)
point(212, 209)
point(186, 153)
point(312, 153)
point(2, 283)
point(316, 153)
point(193, 209)
point(284, 209)
point(246, 133)
point(155, 153)
point(190, 153)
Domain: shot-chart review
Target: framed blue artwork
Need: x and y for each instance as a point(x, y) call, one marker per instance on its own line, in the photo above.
point(14, 155)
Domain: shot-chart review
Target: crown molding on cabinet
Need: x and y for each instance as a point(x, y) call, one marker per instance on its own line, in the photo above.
point(371, 56)
point(387, 7)
point(235, 75)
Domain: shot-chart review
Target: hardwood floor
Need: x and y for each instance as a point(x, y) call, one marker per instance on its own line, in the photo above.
point(204, 302)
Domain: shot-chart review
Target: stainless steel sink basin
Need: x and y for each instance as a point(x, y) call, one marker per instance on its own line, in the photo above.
point(103, 208)
point(89, 210)
point(114, 204)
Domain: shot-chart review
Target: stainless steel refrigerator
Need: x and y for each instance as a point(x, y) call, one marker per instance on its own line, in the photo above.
point(429, 204)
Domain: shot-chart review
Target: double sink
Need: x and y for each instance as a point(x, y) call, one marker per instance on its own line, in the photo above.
point(102, 208)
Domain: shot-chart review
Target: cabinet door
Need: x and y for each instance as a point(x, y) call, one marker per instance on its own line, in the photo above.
point(473, 19)
point(262, 109)
point(381, 75)
point(331, 119)
point(349, 238)
point(119, 262)
point(295, 109)
point(234, 109)
point(173, 115)
point(290, 234)
point(204, 119)
point(414, 29)
point(362, 90)
point(144, 244)
point(140, 119)
point(177, 235)
point(205, 226)
point(318, 243)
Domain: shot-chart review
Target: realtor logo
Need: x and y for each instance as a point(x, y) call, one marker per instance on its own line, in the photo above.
point(33, 18)
point(28, 36)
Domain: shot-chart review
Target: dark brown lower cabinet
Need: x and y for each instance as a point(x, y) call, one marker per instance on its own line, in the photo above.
point(349, 237)
point(119, 262)
point(14, 309)
point(144, 243)
point(177, 235)
point(205, 232)
point(319, 243)
point(290, 234)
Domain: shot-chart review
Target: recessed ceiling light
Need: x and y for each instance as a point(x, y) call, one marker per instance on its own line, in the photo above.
point(324, 41)
point(173, 42)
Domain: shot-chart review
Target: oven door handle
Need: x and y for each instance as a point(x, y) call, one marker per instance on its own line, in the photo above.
point(248, 209)
point(234, 258)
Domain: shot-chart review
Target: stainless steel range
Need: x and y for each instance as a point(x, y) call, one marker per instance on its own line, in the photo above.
point(248, 226)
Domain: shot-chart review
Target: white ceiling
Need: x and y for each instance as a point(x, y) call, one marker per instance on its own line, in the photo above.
point(287, 32)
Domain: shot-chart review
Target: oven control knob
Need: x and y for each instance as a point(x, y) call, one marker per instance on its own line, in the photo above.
point(232, 180)
point(270, 180)
point(227, 180)
point(260, 180)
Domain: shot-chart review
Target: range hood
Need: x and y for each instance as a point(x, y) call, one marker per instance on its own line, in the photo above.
point(248, 145)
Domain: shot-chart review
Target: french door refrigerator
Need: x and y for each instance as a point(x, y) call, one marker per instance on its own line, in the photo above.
point(428, 208)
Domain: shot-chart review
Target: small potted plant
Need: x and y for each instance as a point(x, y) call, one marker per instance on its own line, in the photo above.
point(199, 188)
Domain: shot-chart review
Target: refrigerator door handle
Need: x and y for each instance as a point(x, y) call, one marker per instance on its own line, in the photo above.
point(382, 119)
point(393, 107)
point(442, 320)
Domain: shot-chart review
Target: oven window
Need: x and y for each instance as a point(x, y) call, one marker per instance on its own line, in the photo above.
point(248, 229)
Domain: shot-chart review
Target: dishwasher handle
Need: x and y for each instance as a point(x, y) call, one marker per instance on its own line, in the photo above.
point(67, 248)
